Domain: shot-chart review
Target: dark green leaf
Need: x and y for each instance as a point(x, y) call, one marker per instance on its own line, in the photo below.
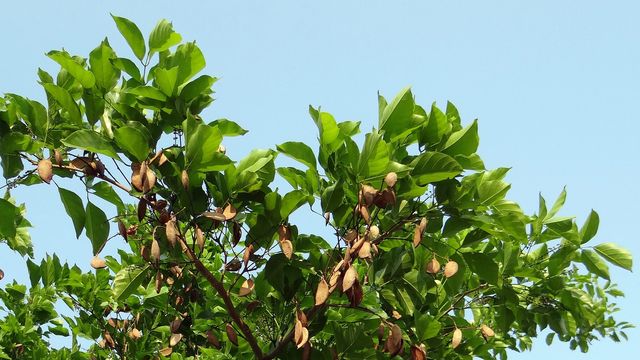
point(105, 73)
point(91, 141)
point(62, 97)
point(483, 265)
point(197, 87)
point(127, 280)
point(291, 201)
point(8, 212)
point(332, 197)
point(463, 142)
point(374, 157)
point(431, 167)
point(133, 141)
point(97, 227)
point(74, 208)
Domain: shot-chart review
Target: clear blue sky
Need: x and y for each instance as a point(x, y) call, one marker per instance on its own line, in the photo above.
point(555, 85)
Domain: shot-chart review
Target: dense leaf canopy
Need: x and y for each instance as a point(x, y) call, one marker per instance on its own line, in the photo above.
point(427, 257)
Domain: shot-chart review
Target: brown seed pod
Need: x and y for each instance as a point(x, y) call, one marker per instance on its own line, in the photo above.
point(365, 250)
point(237, 233)
point(287, 248)
point(1, 274)
point(136, 175)
point(391, 179)
point(212, 215)
point(306, 351)
point(423, 224)
point(175, 325)
point(374, 232)
point(304, 338)
point(199, 238)
point(171, 231)
point(134, 334)
point(418, 352)
point(487, 332)
point(350, 236)
point(155, 250)
point(368, 194)
point(145, 252)
point(132, 230)
point(175, 339)
point(158, 282)
point(450, 268)
point(112, 322)
point(98, 263)
point(322, 292)
point(166, 351)
point(229, 212)
point(149, 181)
point(396, 315)
point(231, 334)
point(417, 237)
point(355, 247)
point(380, 332)
point(327, 218)
point(142, 209)
point(433, 266)
point(45, 170)
point(108, 340)
point(297, 331)
point(122, 230)
point(364, 212)
point(160, 204)
point(57, 156)
point(246, 288)
point(457, 338)
point(184, 178)
point(213, 339)
point(248, 251)
point(394, 341)
point(355, 294)
point(350, 277)
point(233, 265)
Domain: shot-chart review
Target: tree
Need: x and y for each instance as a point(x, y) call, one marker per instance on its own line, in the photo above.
point(427, 258)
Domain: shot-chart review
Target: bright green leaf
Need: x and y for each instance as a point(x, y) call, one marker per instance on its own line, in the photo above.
point(84, 76)
point(163, 37)
point(590, 227)
point(595, 264)
point(299, 151)
point(132, 35)
point(127, 280)
point(91, 141)
point(463, 142)
point(133, 142)
point(615, 254)
point(431, 167)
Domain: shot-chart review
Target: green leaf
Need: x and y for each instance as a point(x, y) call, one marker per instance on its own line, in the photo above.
point(8, 213)
point(491, 191)
point(590, 227)
point(463, 142)
point(148, 92)
point(167, 80)
point(483, 265)
point(97, 227)
point(189, 60)
point(228, 127)
point(84, 76)
point(292, 201)
point(431, 167)
point(332, 197)
point(127, 66)
point(397, 117)
point(374, 157)
point(557, 205)
point(62, 97)
point(127, 280)
point(133, 141)
point(105, 73)
point(594, 264)
point(328, 129)
point(131, 34)
point(163, 37)
point(615, 254)
point(298, 151)
point(197, 87)
point(74, 208)
point(431, 133)
point(105, 191)
point(202, 150)
point(91, 141)
point(427, 327)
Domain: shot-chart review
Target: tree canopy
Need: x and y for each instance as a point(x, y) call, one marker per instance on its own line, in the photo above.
point(427, 258)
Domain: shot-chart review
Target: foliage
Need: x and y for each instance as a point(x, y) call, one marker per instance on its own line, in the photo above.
point(427, 256)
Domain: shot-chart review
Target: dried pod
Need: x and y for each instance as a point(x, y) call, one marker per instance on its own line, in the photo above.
point(143, 171)
point(222, 149)
point(253, 305)
point(149, 181)
point(171, 231)
point(122, 230)
point(136, 175)
point(246, 288)
point(396, 315)
point(365, 250)
point(176, 270)
point(300, 315)
point(108, 340)
point(457, 338)
point(97, 168)
point(45, 170)
point(134, 334)
point(231, 334)
point(417, 236)
point(391, 179)
point(57, 156)
point(145, 253)
point(184, 178)
point(297, 331)
point(327, 218)
point(283, 232)
point(304, 338)
point(334, 280)
point(423, 224)
point(158, 281)
point(433, 266)
point(175, 325)
point(169, 280)
point(132, 230)
point(418, 352)
point(160, 204)
point(212, 215)
point(112, 322)
point(175, 339)
point(487, 332)
point(322, 292)
point(233, 265)
point(155, 250)
point(394, 341)
point(229, 212)
point(350, 276)
point(248, 251)
point(166, 351)
point(357, 245)
point(1, 274)
point(385, 198)
point(287, 248)
point(368, 194)
point(199, 238)
point(213, 339)
point(355, 294)
point(450, 268)
point(374, 232)
point(380, 332)
point(98, 263)
point(142, 209)
point(237, 233)
point(364, 212)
